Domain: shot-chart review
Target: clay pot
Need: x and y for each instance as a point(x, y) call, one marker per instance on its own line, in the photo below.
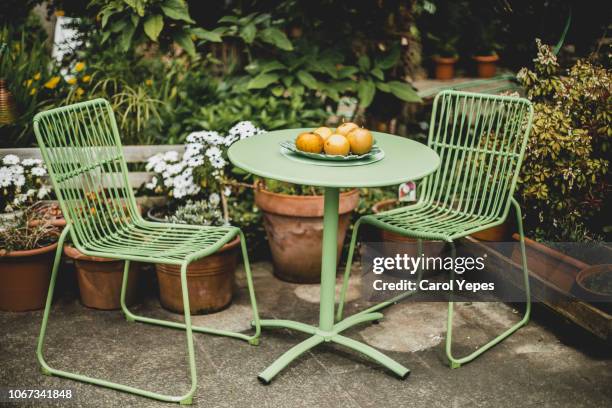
point(499, 233)
point(445, 67)
point(24, 278)
point(430, 248)
point(294, 227)
point(486, 65)
point(100, 279)
point(210, 281)
point(602, 300)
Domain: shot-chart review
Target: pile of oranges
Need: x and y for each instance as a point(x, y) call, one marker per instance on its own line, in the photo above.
point(346, 139)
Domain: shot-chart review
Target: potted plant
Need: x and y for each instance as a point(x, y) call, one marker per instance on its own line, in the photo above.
point(293, 220)
point(198, 187)
point(22, 183)
point(485, 51)
point(210, 279)
point(27, 249)
point(446, 55)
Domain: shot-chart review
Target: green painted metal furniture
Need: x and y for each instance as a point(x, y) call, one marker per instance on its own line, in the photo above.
point(81, 147)
point(404, 160)
point(481, 141)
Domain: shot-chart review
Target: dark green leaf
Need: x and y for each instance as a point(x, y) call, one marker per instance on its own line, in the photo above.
point(153, 25)
point(125, 40)
point(276, 37)
point(262, 81)
point(203, 34)
point(377, 72)
point(183, 39)
point(248, 33)
point(176, 10)
point(307, 79)
point(228, 19)
point(365, 91)
point(364, 63)
point(390, 59)
point(347, 71)
point(404, 91)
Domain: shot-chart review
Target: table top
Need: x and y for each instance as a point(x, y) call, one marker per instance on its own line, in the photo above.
point(404, 160)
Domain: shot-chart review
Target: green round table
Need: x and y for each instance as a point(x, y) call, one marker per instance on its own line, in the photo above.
point(403, 160)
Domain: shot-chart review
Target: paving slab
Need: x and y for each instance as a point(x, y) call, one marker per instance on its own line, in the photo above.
point(546, 364)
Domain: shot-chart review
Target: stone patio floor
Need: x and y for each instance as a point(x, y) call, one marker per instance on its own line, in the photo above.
point(549, 363)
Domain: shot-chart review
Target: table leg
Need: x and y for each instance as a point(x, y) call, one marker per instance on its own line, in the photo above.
point(327, 330)
point(328, 261)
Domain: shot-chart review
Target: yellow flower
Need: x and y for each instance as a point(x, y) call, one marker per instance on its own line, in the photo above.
point(149, 82)
point(52, 83)
point(80, 91)
point(28, 83)
point(72, 80)
point(79, 66)
point(60, 13)
point(33, 91)
point(86, 78)
point(37, 76)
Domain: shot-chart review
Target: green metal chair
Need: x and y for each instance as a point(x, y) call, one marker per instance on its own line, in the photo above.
point(481, 142)
point(81, 147)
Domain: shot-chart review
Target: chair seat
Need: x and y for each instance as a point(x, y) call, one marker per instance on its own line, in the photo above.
point(431, 222)
point(161, 242)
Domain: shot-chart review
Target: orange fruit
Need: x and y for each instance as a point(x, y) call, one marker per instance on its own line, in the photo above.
point(337, 144)
point(309, 142)
point(345, 128)
point(323, 131)
point(361, 140)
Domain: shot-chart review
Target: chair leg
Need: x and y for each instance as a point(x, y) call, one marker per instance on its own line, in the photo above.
point(48, 370)
point(253, 340)
point(347, 270)
point(457, 362)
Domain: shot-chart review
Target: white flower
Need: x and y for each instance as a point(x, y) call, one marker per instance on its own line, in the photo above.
point(10, 159)
point(227, 191)
point(38, 171)
point(16, 169)
point(214, 199)
point(19, 180)
point(213, 152)
point(195, 161)
point(171, 155)
point(151, 185)
point(6, 177)
point(243, 130)
point(218, 162)
point(31, 162)
point(30, 192)
point(175, 168)
point(42, 192)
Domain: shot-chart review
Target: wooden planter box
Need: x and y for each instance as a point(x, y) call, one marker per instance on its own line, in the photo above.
point(552, 276)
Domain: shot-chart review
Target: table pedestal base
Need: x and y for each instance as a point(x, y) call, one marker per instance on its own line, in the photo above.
point(320, 336)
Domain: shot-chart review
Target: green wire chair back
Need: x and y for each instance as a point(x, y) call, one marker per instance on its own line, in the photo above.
point(481, 142)
point(81, 147)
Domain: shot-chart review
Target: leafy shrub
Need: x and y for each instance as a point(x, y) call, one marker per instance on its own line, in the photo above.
point(564, 180)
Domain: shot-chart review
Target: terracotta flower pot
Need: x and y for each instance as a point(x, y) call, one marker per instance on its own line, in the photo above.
point(486, 65)
point(430, 248)
point(294, 227)
point(100, 279)
point(210, 281)
point(24, 278)
point(499, 233)
point(601, 295)
point(445, 67)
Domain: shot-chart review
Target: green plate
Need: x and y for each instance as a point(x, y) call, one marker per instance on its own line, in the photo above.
point(290, 145)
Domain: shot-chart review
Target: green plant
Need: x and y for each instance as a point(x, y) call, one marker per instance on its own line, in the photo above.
point(203, 212)
point(26, 229)
point(32, 79)
point(133, 22)
point(564, 181)
point(21, 182)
